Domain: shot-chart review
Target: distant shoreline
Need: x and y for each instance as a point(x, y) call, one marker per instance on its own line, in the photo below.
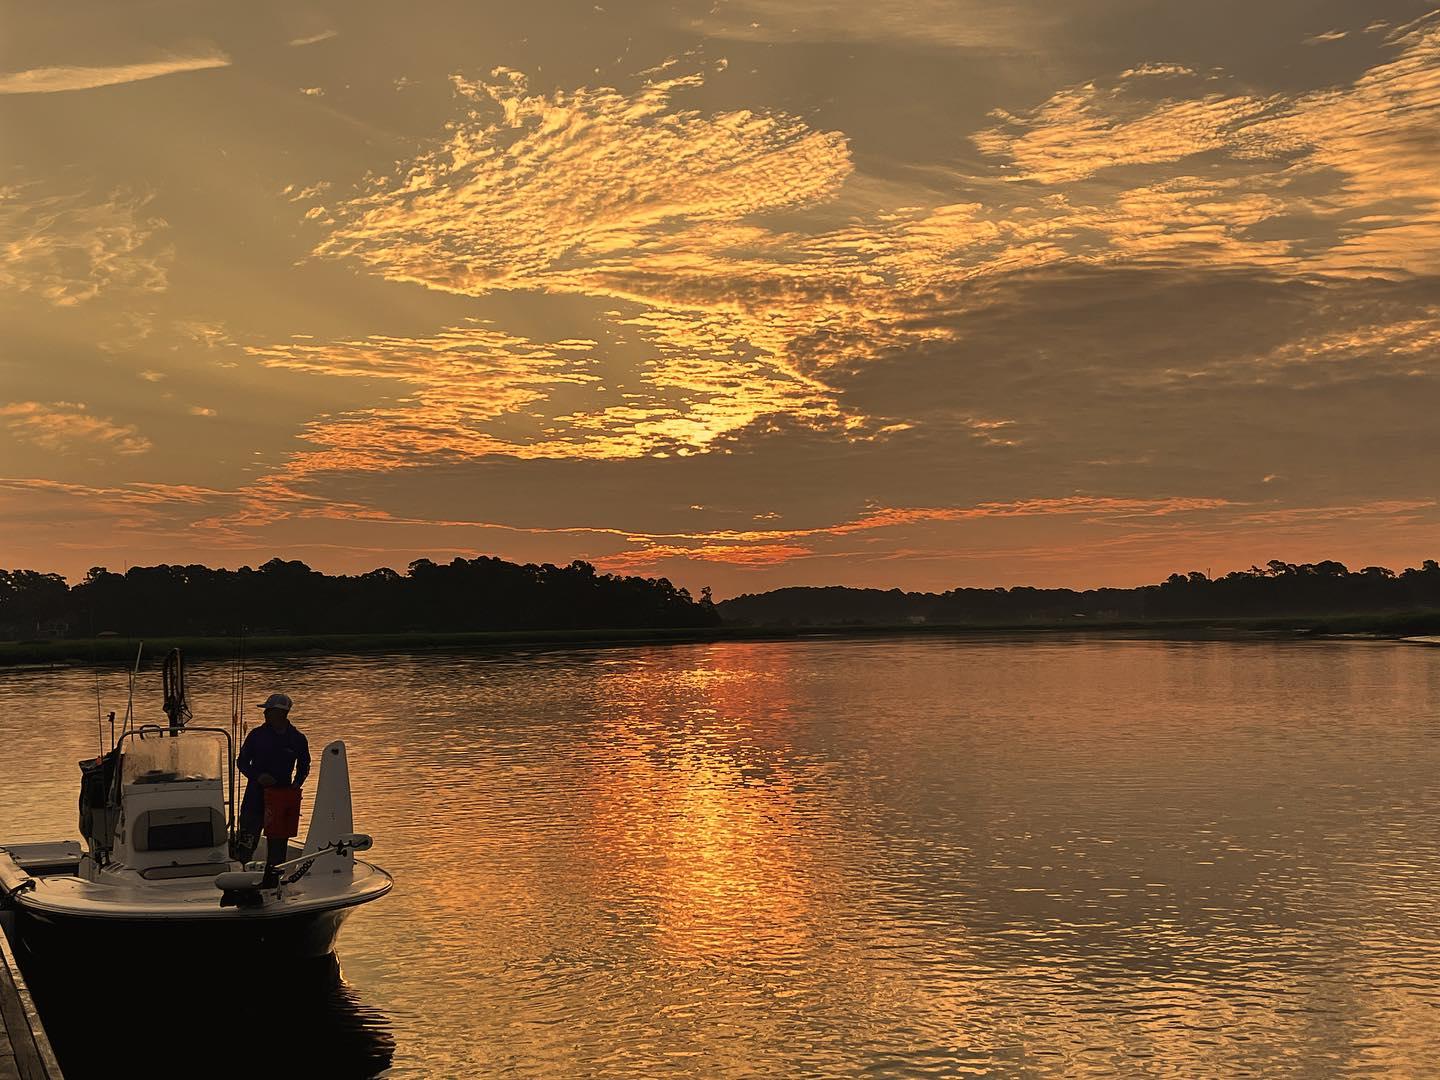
point(1387, 625)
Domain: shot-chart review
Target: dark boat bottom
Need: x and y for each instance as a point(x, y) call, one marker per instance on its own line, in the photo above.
point(281, 939)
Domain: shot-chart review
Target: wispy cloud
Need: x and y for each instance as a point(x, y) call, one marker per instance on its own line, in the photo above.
point(156, 521)
point(69, 248)
point(668, 214)
point(631, 199)
point(66, 426)
point(972, 24)
point(451, 385)
point(1095, 506)
point(52, 80)
point(312, 39)
point(1139, 531)
point(529, 188)
point(1250, 179)
point(1081, 131)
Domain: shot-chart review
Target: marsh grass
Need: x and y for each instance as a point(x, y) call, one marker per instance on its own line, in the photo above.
point(109, 650)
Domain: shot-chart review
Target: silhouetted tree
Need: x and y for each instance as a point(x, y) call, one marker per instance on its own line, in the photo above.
point(288, 596)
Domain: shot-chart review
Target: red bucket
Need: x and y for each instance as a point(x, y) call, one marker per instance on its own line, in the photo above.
point(282, 812)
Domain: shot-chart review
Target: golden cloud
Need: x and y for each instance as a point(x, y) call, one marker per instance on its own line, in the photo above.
point(670, 215)
point(68, 248)
point(1405, 345)
point(1080, 131)
point(1356, 159)
point(632, 199)
point(454, 383)
point(528, 187)
point(65, 426)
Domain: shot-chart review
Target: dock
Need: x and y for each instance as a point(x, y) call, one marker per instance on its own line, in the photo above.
point(25, 1052)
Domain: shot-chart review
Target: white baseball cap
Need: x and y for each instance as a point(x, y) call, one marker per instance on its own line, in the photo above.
point(276, 701)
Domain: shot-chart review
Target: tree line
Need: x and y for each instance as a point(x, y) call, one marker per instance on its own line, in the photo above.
point(283, 597)
point(492, 594)
point(1276, 589)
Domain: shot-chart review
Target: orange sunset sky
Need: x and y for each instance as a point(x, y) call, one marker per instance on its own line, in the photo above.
point(747, 293)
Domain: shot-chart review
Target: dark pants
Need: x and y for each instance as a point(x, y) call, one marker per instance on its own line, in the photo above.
point(252, 822)
point(276, 852)
point(252, 827)
point(247, 842)
point(247, 835)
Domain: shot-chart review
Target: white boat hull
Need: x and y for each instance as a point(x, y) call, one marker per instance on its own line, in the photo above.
point(283, 936)
point(67, 913)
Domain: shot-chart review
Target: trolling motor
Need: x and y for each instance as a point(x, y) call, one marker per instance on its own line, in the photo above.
point(241, 888)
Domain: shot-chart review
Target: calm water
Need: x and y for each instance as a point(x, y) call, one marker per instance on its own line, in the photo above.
point(842, 858)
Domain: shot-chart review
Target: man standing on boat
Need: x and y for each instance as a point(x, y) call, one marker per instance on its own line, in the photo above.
point(268, 757)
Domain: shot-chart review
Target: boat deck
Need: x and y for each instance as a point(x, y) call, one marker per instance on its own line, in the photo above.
point(25, 1052)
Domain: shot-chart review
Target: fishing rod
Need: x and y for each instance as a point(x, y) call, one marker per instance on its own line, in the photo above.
point(129, 723)
point(99, 718)
point(237, 730)
point(99, 721)
point(130, 705)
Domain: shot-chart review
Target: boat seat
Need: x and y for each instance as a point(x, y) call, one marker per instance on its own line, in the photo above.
point(177, 829)
point(166, 873)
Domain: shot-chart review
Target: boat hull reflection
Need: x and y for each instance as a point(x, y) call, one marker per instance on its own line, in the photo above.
point(212, 1015)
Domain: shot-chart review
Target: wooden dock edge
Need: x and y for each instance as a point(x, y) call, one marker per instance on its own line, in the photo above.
point(33, 1056)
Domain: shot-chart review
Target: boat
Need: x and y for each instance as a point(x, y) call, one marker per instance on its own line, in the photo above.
point(157, 873)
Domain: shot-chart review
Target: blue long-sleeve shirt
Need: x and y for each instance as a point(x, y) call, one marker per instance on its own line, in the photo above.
point(278, 753)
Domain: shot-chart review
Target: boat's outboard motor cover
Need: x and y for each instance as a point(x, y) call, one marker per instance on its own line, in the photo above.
point(97, 814)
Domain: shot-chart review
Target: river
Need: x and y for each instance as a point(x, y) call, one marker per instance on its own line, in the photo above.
point(1027, 857)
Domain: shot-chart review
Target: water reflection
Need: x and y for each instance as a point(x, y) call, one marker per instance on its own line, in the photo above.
point(1012, 857)
point(696, 801)
point(109, 1015)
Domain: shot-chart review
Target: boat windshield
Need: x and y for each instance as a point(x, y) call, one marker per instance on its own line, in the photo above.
point(159, 758)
